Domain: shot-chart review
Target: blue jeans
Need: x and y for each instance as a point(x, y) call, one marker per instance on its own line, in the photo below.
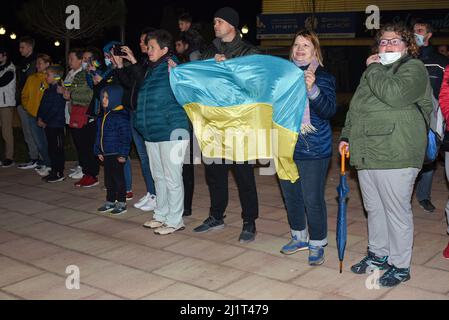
point(40, 139)
point(305, 201)
point(143, 155)
point(128, 175)
point(424, 183)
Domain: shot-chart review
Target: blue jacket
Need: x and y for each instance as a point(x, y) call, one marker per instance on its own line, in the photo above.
point(318, 145)
point(52, 108)
point(114, 127)
point(158, 113)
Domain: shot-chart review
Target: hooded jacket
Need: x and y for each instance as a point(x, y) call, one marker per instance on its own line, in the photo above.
point(233, 49)
point(33, 91)
point(114, 128)
point(435, 64)
point(52, 108)
point(384, 127)
point(7, 85)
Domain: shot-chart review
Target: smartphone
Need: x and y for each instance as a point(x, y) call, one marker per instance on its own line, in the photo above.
point(117, 51)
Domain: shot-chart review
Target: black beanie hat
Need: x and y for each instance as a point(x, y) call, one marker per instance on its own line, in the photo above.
point(229, 15)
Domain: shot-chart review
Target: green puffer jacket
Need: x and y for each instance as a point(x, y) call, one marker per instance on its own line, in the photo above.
point(383, 126)
point(81, 93)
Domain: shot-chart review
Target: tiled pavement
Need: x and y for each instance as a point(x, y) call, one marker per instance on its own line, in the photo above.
point(44, 228)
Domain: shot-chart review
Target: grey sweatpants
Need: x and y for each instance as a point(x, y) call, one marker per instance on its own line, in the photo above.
point(387, 199)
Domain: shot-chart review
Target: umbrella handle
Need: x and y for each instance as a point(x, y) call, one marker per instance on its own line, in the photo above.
point(344, 156)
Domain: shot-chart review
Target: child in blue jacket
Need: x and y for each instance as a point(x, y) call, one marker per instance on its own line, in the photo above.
point(51, 117)
point(112, 147)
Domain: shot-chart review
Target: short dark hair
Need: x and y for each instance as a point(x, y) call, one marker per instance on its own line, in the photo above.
point(163, 39)
point(28, 40)
point(78, 53)
point(185, 17)
point(97, 54)
point(56, 70)
point(45, 57)
point(423, 22)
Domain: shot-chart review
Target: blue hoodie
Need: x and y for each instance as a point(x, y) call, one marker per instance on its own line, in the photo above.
point(114, 128)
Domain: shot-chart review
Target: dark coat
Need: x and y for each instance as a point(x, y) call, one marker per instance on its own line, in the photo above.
point(52, 108)
point(233, 49)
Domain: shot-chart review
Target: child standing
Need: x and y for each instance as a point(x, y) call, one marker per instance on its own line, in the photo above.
point(51, 117)
point(112, 147)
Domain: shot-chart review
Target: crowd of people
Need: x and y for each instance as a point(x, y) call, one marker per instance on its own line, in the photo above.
point(110, 99)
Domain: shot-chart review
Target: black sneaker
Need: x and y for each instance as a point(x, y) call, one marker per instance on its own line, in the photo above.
point(371, 261)
point(210, 224)
point(248, 233)
point(54, 177)
point(427, 205)
point(394, 276)
point(120, 208)
point(7, 163)
point(108, 207)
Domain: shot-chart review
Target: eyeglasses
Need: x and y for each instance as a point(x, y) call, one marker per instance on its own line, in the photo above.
point(394, 42)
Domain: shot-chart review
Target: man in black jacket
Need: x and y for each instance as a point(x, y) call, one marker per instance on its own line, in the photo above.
point(24, 69)
point(435, 64)
point(228, 45)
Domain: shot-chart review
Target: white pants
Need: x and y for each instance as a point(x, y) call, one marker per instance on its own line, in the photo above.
point(166, 161)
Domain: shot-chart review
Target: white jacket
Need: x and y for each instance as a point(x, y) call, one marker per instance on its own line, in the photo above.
point(8, 92)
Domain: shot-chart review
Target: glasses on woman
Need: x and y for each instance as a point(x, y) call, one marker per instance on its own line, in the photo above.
point(393, 42)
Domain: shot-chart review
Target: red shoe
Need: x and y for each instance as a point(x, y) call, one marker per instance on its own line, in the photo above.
point(88, 182)
point(446, 252)
point(129, 195)
point(81, 182)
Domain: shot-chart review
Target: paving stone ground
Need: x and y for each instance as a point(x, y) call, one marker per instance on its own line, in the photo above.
point(44, 228)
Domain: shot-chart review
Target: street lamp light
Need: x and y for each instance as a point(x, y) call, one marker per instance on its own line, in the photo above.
point(2, 31)
point(57, 43)
point(245, 29)
point(13, 36)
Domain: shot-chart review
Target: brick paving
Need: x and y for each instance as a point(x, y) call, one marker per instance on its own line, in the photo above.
point(46, 227)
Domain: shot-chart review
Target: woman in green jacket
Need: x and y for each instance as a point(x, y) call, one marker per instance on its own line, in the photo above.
point(386, 136)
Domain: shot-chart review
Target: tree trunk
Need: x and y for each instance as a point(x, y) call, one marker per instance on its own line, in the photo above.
point(67, 49)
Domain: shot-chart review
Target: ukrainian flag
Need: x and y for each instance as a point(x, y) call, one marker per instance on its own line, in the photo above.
point(245, 108)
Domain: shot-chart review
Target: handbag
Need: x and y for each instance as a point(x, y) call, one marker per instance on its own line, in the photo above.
point(78, 116)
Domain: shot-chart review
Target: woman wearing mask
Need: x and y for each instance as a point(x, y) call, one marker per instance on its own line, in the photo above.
point(304, 199)
point(385, 132)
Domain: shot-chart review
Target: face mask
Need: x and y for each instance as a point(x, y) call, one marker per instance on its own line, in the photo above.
point(419, 40)
point(389, 57)
point(85, 65)
point(108, 62)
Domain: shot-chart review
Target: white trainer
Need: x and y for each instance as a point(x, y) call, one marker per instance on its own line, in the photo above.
point(142, 201)
point(150, 205)
point(153, 224)
point(44, 171)
point(77, 174)
point(165, 230)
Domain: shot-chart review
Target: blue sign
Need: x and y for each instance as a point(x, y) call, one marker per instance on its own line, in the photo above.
point(327, 25)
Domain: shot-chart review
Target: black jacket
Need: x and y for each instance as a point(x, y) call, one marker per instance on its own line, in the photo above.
point(233, 49)
point(429, 57)
point(25, 68)
point(131, 79)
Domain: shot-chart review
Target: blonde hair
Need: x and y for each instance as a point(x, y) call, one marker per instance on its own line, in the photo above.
point(312, 37)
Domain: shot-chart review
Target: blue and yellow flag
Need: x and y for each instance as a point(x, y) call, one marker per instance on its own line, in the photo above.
point(245, 108)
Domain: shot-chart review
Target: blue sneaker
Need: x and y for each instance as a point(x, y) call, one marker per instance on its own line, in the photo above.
point(294, 246)
point(394, 276)
point(316, 255)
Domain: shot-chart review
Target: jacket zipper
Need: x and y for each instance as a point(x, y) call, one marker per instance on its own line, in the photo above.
point(4, 98)
point(307, 144)
point(102, 131)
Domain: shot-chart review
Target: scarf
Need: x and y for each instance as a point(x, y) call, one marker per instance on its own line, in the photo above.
point(306, 124)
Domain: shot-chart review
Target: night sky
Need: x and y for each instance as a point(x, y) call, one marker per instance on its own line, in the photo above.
point(140, 14)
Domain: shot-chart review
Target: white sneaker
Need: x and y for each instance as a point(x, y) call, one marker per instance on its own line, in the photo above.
point(77, 174)
point(150, 205)
point(164, 230)
point(43, 171)
point(153, 224)
point(77, 168)
point(142, 201)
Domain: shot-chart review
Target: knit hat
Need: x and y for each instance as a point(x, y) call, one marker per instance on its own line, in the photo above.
point(229, 15)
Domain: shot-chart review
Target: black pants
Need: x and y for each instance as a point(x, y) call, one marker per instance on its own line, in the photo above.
point(114, 179)
point(217, 181)
point(188, 177)
point(84, 140)
point(55, 139)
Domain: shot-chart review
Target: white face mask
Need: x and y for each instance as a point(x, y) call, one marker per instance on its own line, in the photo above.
point(108, 62)
point(85, 65)
point(419, 40)
point(389, 57)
